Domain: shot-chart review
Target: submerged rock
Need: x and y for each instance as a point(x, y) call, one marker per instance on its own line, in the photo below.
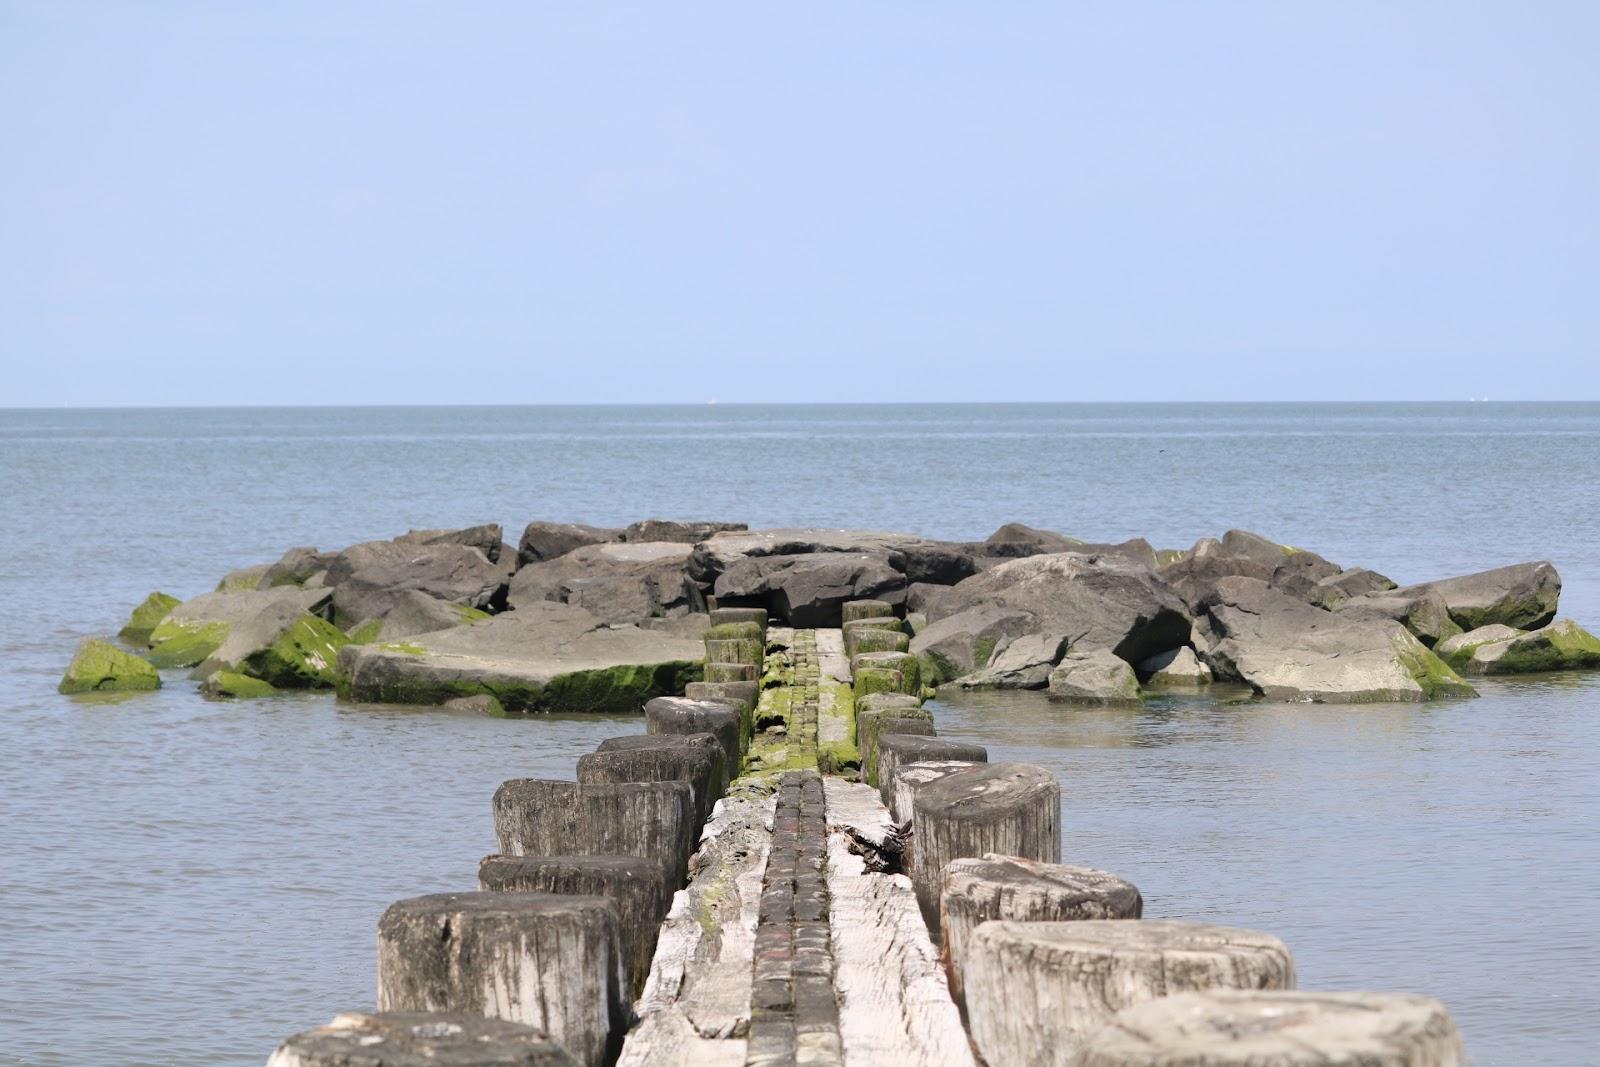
point(196, 628)
point(1095, 676)
point(1523, 595)
point(1561, 646)
point(147, 616)
point(98, 667)
point(229, 685)
point(1286, 649)
point(622, 582)
point(545, 657)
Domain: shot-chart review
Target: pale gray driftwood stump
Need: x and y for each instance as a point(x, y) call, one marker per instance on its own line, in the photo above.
point(1005, 887)
point(895, 750)
point(420, 1039)
point(694, 758)
point(678, 715)
point(549, 961)
point(907, 778)
point(1035, 991)
point(638, 885)
point(1013, 809)
point(538, 817)
point(1278, 1029)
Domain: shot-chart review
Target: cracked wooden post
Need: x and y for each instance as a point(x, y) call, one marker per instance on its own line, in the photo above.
point(886, 672)
point(638, 886)
point(548, 961)
point(420, 1039)
point(742, 695)
point(1088, 971)
point(896, 750)
point(907, 778)
point(1280, 1029)
point(887, 713)
point(1006, 888)
point(694, 758)
point(1013, 809)
point(678, 715)
point(538, 817)
point(854, 629)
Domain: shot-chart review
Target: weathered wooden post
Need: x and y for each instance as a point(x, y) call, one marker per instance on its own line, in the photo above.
point(747, 650)
point(538, 817)
point(637, 885)
point(728, 616)
point(1013, 809)
point(865, 609)
point(678, 715)
point(743, 695)
point(1088, 971)
point(876, 640)
point(886, 672)
point(1006, 888)
point(907, 778)
point(732, 672)
point(896, 750)
point(694, 758)
point(854, 628)
point(420, 1039)
point(1277, 1028)
point(539, 959)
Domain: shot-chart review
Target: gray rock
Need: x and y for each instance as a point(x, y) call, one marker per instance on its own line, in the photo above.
point(1524, 595)
point(1420, 610)
point(1302, 572)
point(296, 566)
point(243, 580)
point(196, 628)
point(1561, 646)
point(421, 1039)
point(281, 645)
point(1016, 540)
point(367, 584)
point(1178, 669)
point(1097, 601)
point(1286, 649)
point(1025, 663)
point(1333, 590)
point(411, 612)
point(1094, 676)
point(545, 657)
point(687, 533)
point(486, 538)
point(965, 641)
point(809, 590)
point(550, 540)
point(625, 582)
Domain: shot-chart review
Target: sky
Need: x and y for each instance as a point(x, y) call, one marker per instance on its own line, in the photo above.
point(395, 202)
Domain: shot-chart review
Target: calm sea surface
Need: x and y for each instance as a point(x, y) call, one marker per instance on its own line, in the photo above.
point(185, 882)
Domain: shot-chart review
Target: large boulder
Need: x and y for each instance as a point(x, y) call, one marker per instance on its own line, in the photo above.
point(1523, 595)
point(1286, 649)
point(446, 571)
point(282, 646)
point(543, 657)
point(296, 567)
point(1177, 669)
point(98, 667)
point(1241, 554)
point(810, 589)
point(685, 533)
point(487, 538)
point(550, 540)
point(196, 628)
point(1096, 601)
point(966, 641)
point(1561, 646)
point(619, 582)
point(1421, 610)
point(1025, 663)
point(1095, 676)
point(1335, 589)
point(1016, 540)
point(411, 613)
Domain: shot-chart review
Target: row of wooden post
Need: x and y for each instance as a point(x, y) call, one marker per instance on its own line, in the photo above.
point(542, 964)
point(1043, 959)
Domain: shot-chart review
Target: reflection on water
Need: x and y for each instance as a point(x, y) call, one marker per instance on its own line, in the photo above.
point(1446, 849)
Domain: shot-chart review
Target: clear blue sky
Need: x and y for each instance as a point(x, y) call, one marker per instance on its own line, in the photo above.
point(522, 203)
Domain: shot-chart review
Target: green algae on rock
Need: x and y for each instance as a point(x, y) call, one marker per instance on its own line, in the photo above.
point(229, 685)
point(305, 655)
point(1561, 646)
point(185, 644)
point(98, 667)
point(147, 616)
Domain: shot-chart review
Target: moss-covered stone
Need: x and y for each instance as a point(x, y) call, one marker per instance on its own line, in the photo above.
point(908, 666)
point(367, 632)
point(1433, 674)
point(1457, 649)
point(838, 757)
point(1561, 646)
point(730, 672)
point(728, 631)
point(305, 655)
point(871, 680)
point(147, 616)
point(184, 644)
point(735, 650)
point(98, 667)
point(243, 580)
point(228, 685)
